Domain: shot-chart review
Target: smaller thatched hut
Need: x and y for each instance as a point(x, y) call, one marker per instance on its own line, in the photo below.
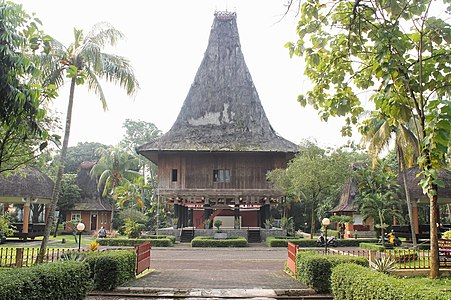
point(93, 210)
point(346, 207)
point(25, 194)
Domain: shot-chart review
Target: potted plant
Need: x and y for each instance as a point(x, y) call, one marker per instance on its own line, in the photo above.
point(237, 223)
point(268, 224)
point(175, 222)
point(207, 224)
point(218, 224)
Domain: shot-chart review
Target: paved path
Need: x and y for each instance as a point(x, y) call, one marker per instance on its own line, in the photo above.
point(217, 268)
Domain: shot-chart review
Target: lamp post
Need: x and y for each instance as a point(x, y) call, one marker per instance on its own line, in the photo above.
point(80, 228)
point(325, 222)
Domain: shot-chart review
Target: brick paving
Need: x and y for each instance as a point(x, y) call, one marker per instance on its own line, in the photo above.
point(217, 268)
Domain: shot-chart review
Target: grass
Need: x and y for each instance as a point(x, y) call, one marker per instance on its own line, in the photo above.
point(54, 242)
point(441, 284)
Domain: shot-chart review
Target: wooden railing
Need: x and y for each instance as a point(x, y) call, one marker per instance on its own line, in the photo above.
point(25, 257)
point(142, 257)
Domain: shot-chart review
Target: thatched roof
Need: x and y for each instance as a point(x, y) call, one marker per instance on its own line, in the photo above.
point(91, 198)
point(27, 182)
point(349, 192)
point(416, 191)
point(222, 111)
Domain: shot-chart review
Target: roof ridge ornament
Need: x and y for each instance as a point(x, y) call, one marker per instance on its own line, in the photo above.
point(225, 15)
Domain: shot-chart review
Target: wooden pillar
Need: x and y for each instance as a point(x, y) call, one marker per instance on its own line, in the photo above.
point(26, 217)
point(237, 213)
point(191, 217)
point(46, 210)
point(416, 224)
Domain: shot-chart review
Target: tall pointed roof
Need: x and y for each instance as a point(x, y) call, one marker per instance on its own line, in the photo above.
point(222, 111)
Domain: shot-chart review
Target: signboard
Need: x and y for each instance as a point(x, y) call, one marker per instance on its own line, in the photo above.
point(444, 253)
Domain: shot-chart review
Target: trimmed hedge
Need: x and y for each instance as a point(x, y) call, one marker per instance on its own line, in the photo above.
point(372, 247)
point(306, 243)
point(110, 269)
point(158, 242)
point(350, 281)
point(279, 241)
point(206, 241)
point(314, 270)
point(354, 242)
point(59, 280)
point(156, 237)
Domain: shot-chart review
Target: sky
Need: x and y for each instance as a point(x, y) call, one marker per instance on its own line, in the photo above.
point(165, 42)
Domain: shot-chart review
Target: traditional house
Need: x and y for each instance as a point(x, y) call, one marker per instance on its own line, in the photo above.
point(92, 209)
point(212, 163)
point(25, 195)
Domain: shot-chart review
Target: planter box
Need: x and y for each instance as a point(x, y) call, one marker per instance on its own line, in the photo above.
point(220, 236)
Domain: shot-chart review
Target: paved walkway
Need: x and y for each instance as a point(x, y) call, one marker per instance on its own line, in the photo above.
point(214, 273)
point(218, 268)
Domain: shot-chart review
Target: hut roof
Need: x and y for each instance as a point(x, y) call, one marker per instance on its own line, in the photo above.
point(27, 182)
point(349, 192)
point(416, 191)
point(222, 111)
point(91, 198)
point(92, 204)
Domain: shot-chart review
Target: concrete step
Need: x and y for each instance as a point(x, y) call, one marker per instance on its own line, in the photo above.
point(257, 293)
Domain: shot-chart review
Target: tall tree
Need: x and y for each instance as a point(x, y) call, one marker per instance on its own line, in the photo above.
point(114, 168)
point(84, 62)
point(313, 176)
point(397, 50)
point(378, 133)
point(86, 151)
point(24, 122)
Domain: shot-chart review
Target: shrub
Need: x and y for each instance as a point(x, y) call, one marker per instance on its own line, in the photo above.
point(372, 247)
point(354, 242)
point(350, 281)
point(59, 280)
point(155, 237)
point(110, 269)
point(276, 241)
point(447, 235)
point(205, 241)
point(314, 270)
point(157, 242)
point(132, 229)
point(217, 224)
point(384, 264)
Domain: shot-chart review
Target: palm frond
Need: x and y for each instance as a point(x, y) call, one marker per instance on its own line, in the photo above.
point(118, 69)
point(103, 34)
point(94, 84)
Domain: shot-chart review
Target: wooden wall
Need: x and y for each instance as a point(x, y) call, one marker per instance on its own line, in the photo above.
point(195, 170)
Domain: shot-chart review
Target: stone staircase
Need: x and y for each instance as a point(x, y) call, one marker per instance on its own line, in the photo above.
point(187, 235)
point(253, 236)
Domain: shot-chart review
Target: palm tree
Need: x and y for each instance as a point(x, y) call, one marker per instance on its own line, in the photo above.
point(84, 61)
point(114, 168)
point(377, 134)
point(377, 194)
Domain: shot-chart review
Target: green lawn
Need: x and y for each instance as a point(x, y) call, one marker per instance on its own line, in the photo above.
point(54, 242)
point(442, 284)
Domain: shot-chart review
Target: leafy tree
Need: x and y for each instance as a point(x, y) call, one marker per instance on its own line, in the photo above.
point(114, 168)
point(130, 191)
point(138, 133)
point(24, 122)
point(84, 62)
point(69, 195)
point(81, 152)
point(313, 176)
point(397, 50)
point(378, 190)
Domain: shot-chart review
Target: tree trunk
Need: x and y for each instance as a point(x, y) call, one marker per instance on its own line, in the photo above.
point(409, 204)
point(312, 220)
point(434, 259)
point(381, 220)
point(59, 175)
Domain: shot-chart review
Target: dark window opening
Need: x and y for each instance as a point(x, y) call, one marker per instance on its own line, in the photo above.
point(174, 175)
point(221, 175)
